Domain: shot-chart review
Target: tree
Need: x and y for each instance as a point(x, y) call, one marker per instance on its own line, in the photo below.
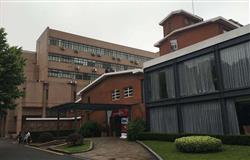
point(11, 72)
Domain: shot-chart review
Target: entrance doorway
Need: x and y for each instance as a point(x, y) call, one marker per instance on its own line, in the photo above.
point(116, 126)
point(243, 114)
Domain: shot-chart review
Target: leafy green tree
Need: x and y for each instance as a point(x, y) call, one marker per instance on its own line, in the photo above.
point(11, 72)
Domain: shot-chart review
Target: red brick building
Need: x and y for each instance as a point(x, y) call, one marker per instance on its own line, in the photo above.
point(124, 87)
point(182, 29)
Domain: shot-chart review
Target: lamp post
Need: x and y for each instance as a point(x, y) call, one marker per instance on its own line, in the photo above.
point(73, 84)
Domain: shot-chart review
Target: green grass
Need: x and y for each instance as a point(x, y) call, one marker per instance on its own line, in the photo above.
point(75, 149)
point(168, 151)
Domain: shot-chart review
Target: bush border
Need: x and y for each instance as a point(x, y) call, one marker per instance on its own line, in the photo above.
point(226, 139)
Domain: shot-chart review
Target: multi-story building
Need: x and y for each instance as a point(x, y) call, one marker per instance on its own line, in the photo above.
point(62, 65)
point(181, 29)
point(203, 88)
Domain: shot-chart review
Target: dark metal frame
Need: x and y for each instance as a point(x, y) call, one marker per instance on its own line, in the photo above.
point(221, 95)
point(87, 106)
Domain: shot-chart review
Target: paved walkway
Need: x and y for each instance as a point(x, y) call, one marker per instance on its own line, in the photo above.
point(109, 148)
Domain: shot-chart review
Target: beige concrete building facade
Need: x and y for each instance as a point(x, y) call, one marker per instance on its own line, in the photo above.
point(62, 65)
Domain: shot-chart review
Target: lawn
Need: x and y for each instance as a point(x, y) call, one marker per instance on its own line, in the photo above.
point(168, 151)
point(75, 149)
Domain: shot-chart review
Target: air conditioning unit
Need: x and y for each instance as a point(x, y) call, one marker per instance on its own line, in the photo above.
point(98, 55)
point(72, 81)
point(77, 68)
point(62, 48)
point(75, 51)
point(94, 70)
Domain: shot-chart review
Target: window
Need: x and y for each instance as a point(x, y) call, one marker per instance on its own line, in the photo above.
point(202, 117)
point(95, 50)
point(161, 84)
point(173, 45)
point(128, 92)
point(115, 94)
point(71, 75)
point(86, 62)
point(186, 21)
point(198, 76)
point(235, 63)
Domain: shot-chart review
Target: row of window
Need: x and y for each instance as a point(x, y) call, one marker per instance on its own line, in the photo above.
point(128, 92)
point(71, 75)
point(87, 62)
point(97, 50)
point(200, 75)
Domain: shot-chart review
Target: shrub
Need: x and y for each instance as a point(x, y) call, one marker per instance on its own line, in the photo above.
point(74, 139)
point(226, 139)
point(135, 128)
point(90, 129)
point(62, 133)
point(198, 144)
point(46, 137)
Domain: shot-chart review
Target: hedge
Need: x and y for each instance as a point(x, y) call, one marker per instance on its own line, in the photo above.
point(62, 133)
point(226, 139)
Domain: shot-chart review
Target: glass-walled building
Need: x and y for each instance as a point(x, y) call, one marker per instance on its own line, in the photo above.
point(203, 88)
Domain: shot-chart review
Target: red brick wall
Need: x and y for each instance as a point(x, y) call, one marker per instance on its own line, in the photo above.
point(103, 91)
point(174, 22)
point(191, 36)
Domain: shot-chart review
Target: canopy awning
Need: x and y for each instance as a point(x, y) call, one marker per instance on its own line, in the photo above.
point(88, 106)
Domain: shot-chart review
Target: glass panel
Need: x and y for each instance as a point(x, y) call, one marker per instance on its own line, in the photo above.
point(162, 84)
point(204, 118)
point(198, 76)
point(235, 63)
point(164, 119)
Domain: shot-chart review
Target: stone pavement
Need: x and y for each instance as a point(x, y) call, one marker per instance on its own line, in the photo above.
point(110, 148)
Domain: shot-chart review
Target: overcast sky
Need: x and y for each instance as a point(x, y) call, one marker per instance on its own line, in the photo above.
point(131, 23)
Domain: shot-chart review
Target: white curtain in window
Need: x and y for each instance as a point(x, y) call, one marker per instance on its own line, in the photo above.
point(204, 118)
point(154, 86)
point(169, 73)
point(197, 76)
point(232, 117)
point(163, 119)
point(235, 63)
